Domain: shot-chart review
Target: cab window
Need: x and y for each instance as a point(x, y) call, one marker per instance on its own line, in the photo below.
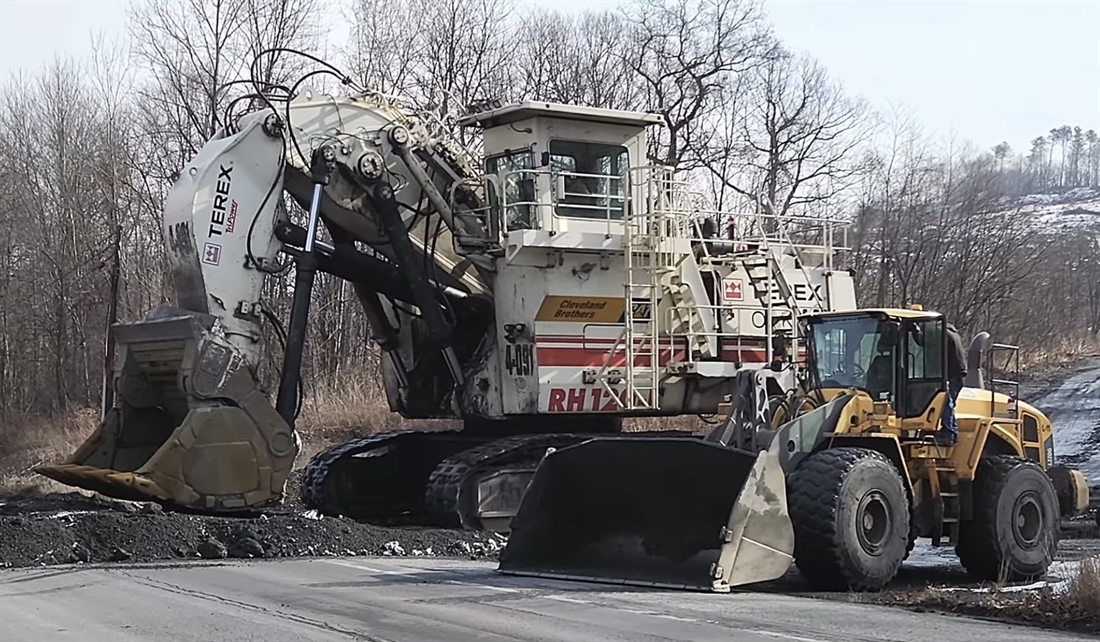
point(593, 176)
point(517, 189)
point(923, 365)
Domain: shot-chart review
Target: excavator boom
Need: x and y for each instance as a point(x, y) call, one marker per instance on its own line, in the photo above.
point(190, 426)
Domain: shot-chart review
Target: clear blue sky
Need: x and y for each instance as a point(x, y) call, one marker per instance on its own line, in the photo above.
point(988, 70)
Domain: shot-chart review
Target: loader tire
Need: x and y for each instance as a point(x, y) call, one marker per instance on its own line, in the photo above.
point(913, 535)
point(1013, 535)
point(851, 519)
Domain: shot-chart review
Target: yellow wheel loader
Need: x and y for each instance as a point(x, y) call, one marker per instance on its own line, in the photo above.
point(840, 475)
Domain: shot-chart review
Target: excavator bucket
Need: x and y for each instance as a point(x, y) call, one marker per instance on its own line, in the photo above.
point(189, 427)
point(668, 512)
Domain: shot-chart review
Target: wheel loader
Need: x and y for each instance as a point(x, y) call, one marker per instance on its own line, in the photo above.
point(536, 293)
point(840, 475)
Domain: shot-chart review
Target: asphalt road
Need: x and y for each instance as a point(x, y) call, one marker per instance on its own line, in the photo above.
point(425, 600)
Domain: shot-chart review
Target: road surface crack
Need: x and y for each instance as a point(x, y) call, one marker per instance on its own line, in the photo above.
point(299, 619)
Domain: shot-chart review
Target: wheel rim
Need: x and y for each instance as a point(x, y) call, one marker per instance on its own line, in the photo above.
point(1027, 521)
point(873, 522)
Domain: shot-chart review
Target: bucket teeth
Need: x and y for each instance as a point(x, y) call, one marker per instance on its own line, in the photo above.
point(126, 486)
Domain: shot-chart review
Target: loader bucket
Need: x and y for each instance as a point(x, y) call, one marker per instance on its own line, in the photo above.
point(675, 513)
point(189, 428)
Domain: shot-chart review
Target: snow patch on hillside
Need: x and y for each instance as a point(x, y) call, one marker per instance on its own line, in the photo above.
point(1075, 209)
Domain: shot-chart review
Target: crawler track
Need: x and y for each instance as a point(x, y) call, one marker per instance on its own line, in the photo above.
point(424, 477)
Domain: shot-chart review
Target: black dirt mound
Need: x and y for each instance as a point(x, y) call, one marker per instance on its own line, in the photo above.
point(71, 528)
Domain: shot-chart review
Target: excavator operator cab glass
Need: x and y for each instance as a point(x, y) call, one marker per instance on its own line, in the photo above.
point(514, 193)
point(564, 169)
point(591, 178)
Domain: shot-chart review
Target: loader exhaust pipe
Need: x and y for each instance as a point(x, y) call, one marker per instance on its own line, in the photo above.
point(669, 512)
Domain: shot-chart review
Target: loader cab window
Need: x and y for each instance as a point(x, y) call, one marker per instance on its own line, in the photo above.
point(924, 365)
point(515, 198)
point(856, 352)
point(594, 178)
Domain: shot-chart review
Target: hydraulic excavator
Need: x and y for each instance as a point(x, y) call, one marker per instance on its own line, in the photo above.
point(538, 292)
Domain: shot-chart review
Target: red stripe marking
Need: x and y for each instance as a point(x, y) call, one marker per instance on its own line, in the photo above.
point(579, 357)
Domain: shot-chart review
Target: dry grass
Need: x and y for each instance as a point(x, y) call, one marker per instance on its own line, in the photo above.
point(1071, 605)
point(31, 442)
point(330, 415)
point(1082, 594)
point(333, 414)
point(1064, 352)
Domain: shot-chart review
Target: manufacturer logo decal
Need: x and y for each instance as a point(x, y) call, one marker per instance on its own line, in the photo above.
point(212, 254)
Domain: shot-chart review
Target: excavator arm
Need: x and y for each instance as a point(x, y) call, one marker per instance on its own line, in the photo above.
point(190, 425)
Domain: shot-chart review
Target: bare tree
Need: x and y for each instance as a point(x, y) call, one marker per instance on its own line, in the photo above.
point(385, 47)
point(575, 59)
point(58, 237)
point(112, 86)
point(683, 52)
point(800, 138)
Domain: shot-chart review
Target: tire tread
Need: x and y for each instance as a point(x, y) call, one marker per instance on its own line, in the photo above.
point(978, 548)
point(814, 493)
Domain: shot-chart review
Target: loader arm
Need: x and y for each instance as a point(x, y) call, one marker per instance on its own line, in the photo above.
point(190, 426)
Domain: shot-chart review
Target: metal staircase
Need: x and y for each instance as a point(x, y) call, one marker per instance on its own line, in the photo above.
point(940, 483)
point(652, 271)
point(769, 283)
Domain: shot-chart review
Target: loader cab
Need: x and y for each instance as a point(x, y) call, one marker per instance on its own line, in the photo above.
point(894, 355)
point(555, 169)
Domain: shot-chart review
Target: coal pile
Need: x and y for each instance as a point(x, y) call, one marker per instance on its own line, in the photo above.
point(74, 528)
